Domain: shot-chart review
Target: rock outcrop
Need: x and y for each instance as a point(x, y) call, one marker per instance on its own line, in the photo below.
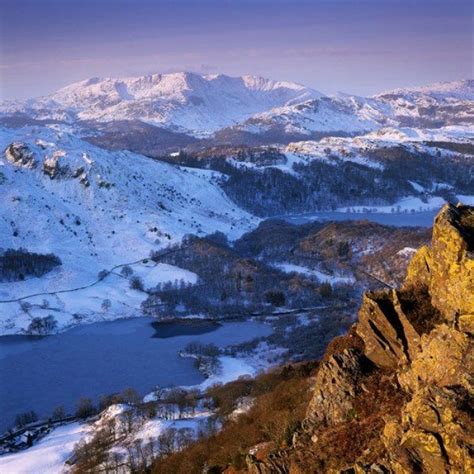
point(395, 396)
point(51, 165)
point(447, 268)
point(20, 155)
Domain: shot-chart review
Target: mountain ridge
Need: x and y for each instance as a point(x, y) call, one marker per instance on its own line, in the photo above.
point(217, 104)
point(182, 101)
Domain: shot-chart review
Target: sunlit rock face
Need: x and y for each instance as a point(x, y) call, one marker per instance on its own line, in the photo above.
point(395, 394)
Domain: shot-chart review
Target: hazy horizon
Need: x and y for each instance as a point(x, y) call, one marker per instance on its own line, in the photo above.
point(359, 47)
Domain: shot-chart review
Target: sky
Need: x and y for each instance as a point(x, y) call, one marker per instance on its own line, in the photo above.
point(355, 46)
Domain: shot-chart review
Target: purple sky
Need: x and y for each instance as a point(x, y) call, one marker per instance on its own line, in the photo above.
point(356, 46)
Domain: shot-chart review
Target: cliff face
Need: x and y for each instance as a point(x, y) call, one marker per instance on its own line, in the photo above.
point(395, 394)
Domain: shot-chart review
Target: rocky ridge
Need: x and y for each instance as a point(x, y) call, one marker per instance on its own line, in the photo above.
point(395, 394)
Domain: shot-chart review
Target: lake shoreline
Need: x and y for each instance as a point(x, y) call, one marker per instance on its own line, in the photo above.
point(96, 360)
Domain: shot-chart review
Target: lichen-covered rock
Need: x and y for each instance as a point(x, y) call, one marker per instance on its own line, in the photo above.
point(448, 267)
point(419, 268)
point(445, 359)
point(434, 434)
point(452, 265)
point(20, 155)
point(389, 337)
point(466, 323)
point(336, 385)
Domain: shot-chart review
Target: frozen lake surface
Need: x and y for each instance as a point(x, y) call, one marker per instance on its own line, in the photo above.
point(41, 374)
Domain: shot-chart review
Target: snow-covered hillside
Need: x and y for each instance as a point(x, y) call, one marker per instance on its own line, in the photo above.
point(439, 105)
point(95, 209)
point(181, 101)
point(325, 115)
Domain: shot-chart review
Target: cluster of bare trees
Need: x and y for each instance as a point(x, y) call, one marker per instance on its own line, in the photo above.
point(96, 454)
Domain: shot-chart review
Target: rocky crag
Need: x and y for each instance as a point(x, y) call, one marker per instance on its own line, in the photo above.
point(395, 394)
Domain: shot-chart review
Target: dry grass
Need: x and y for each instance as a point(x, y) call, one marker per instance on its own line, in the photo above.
point(281, 398)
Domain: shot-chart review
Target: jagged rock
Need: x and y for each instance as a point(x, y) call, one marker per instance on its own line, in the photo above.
point(418, 271)
point(389, 337)
point(448, 267)
point(260, 460)
point(433, 435)
point(84, 180)
point(20, 155)
point(82, 175)
point(336, 386)
point(445, 359)
point(77, 172)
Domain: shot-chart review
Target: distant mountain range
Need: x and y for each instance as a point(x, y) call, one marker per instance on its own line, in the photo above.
point(246, 109)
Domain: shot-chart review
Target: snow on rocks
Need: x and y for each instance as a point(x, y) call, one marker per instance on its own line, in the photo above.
point(20, 155)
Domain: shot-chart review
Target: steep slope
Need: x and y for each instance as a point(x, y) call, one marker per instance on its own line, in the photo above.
point(395, 394)
point(95, 209)
point(181, 101)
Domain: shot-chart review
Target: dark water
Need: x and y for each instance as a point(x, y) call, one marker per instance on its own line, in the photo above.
point(186, 327)
point(415, 219)
point(42, 373)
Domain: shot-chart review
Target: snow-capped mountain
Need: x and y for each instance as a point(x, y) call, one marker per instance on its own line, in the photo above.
point(438, 105)
point(184, 101)
point(95, 209)
point(432, 106)
point(462, 90)
point(244, 109)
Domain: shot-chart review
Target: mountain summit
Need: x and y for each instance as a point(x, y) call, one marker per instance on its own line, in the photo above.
point(182, 101)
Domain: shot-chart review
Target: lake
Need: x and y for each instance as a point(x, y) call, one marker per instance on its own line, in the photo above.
point(398, 219)
point(88, 361)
